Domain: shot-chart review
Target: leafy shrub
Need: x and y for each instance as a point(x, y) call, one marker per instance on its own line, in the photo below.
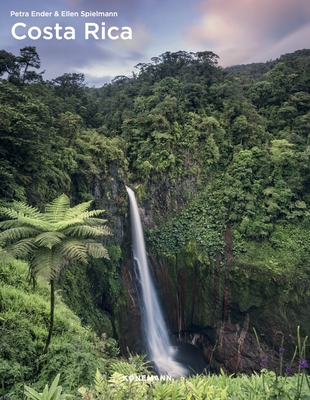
point(52, 393)
point(75, 352)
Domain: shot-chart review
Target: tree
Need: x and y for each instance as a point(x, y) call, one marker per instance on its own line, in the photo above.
point(8, 64)
point(29, 58)
point(36, 161)
point(50, 240)
point(69, 84)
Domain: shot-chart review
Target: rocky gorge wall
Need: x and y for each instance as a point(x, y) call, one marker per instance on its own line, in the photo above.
point(256, 301)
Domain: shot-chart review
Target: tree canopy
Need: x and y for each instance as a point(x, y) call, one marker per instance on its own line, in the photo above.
point(219, 158)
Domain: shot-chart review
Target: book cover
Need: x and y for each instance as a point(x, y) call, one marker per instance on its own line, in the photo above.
point(203, 109)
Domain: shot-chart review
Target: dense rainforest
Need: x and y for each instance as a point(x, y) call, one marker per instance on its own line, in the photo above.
point(219, 159)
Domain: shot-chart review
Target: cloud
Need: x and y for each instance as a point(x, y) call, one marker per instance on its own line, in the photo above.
point(141, 38)
point(126, 11)
point(104, 58)
point(238, 30)
point(295, 41)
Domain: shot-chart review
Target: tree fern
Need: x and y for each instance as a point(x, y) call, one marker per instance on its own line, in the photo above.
point(50, 240)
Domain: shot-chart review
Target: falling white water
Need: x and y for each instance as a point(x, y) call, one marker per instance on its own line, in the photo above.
point(159, 349)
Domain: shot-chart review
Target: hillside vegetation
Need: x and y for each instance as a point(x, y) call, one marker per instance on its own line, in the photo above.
point(220, 162)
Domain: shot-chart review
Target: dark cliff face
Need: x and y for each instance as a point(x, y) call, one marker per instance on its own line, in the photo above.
point(110, 195)
point(187, 294)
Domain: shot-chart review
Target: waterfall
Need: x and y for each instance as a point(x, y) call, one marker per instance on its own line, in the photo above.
point(157, 340)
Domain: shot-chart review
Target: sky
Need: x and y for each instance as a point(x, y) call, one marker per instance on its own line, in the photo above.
point(238, 31)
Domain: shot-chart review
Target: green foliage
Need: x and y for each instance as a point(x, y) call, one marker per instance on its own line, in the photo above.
point(278, 387)
point(203, 223)
point(76, 352)
point(17, 68)
point(52, 393)
point(111, 384)
point(53, 238)
point(49, 240)
point(285, 252)
point(83, 297)
point(220, 158)
point(261, 386)
point(92, 291)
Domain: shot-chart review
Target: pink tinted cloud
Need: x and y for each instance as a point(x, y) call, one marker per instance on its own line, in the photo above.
point(238, 29)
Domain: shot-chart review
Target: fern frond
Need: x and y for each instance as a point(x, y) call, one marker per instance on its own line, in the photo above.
point(86, 231)
point(10, 223)
point(36, 223)
point(122, 367)
point(27, 210)
point(49, 239)
point(97, 250)
point(89, 214)
point(99, 382)
point(20, 209)
point(94, 221)
point(57, 209)
point(9, 212)
point(78, 210)
point(74, 250)
point(85, 216)
point(23, 248)
point(76, 221)
point(17, 233)
point(46, 263)
point(62, 225)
